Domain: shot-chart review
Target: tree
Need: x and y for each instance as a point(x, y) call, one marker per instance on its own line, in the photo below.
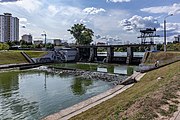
point(5, 46)
point(82, 34)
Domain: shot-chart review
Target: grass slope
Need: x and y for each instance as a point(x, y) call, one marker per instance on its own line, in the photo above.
point(36, 54)
point(161, 56)
point(11, 57)
point(15, 56)
point(117, 107)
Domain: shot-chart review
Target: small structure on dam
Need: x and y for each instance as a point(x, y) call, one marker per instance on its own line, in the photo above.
point(148, 33)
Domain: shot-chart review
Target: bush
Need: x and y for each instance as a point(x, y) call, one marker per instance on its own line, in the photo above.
point(4, 46)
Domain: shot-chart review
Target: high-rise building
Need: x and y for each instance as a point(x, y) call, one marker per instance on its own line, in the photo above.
point(9, 28)
point(27, 38)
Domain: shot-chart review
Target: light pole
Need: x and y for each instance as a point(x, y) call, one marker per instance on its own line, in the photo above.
point(165, 31)
point(44, 34)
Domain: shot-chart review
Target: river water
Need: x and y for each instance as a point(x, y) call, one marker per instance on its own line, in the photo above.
point(110, 68)
point(34, 94)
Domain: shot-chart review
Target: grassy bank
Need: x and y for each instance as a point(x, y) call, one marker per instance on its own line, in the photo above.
point(36, 54)
point(15, 56)
point(152, 57)
point(11, 57)
point(148, 99)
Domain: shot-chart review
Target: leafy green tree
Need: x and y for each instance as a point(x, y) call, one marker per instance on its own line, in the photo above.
point(23, 42)
point(82, 34)
point(10, 43)
point(49, 46)
point(5, 46)
point(1, 46)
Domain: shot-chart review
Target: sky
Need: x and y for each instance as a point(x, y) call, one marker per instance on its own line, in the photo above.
point(111, 20)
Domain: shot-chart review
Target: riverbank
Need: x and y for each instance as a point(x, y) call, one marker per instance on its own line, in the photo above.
point(146, 99)
point(15, 56)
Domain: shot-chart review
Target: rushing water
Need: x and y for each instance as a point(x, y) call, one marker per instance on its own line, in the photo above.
point(34, 94)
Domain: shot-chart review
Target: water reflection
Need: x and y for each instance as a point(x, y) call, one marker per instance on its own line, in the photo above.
point(34, 94)
point(11, 102)
point(79, 85)
point(125, 70)
point(110, 68)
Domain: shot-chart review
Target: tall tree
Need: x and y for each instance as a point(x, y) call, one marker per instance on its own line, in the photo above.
point(82, 34)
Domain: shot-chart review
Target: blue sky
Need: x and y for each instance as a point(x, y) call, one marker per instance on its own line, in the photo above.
point(118, 20)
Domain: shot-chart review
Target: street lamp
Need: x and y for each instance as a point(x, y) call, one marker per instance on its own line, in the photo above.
point(165, 31)
point(44, 34)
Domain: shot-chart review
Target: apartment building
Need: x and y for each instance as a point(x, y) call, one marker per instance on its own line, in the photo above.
point(9, 28)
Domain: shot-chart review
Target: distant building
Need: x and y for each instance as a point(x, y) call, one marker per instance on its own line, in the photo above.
point(57, 42)
point(27, 38)
point(9, 28)
point(38, 42)
point(177, 39)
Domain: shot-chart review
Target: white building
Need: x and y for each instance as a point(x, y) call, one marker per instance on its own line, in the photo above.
point(9, 28)
point(57, 42)
point(38, 42)
point(27, 38)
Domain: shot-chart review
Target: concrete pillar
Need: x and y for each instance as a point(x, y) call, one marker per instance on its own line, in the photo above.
point(110, 54)
point(129, 55)
point(77, 55)
point(153, 47)
point(110, 69)
point(93, 54)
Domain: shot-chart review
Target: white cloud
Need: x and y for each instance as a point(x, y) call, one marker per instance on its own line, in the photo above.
point(93, 10)
point(53, 10)
point(137, 22)
point(28, 5)
point(172, 9)
point(115, 1)
point(22, 20)
point(108, 39)
point(171, 28)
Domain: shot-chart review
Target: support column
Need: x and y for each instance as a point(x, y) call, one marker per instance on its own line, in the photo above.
point(110, 54)
point(77, 55)
point(129, 55)
point(93, 54)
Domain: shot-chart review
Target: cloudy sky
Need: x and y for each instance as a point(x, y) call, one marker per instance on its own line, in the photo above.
point(118, 20)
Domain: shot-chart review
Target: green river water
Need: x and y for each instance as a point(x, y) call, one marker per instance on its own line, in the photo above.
point(34, 94)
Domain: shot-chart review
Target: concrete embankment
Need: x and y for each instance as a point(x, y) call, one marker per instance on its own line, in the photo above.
point(87, 104)
point(154, 60)
point(19, 66)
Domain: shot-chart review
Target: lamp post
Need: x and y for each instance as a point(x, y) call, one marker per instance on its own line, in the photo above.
point(44, 34)
point(165, 31)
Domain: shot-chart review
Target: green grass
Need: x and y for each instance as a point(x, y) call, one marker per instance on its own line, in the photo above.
point(15, 56)
point(36, 54)
point(161, 56)
point(11, 57)
point(113, 108)
point(32, 54)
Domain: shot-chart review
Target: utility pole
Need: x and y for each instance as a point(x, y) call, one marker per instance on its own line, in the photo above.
point(165, 31)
